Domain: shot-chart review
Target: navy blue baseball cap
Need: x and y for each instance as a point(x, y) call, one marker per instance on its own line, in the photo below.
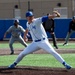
point(16, 20)
point(29, 13)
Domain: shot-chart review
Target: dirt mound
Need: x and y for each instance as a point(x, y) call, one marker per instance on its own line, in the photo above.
point(36, 71)
point(41, 51)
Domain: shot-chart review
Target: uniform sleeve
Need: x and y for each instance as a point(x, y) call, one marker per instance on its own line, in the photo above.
point(41, 19)
point(22, 29)
point(44, 18)
point(9, 30)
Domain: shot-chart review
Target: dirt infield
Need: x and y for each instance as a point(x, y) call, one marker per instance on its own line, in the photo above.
point(17, 51)
point(36, 71)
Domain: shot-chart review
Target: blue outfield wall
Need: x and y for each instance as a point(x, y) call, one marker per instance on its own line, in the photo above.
point(2, 29)
point(5, 24)
point(61, 27)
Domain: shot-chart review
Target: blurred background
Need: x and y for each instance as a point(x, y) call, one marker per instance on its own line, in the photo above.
point(11, 9)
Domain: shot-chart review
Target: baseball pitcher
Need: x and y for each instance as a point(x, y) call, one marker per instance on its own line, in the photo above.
point(39, 37)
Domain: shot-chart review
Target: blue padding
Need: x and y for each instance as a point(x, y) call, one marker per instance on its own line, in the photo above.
point(8, 23)
point(2, 29)
point(23, 24)
point(61, 27)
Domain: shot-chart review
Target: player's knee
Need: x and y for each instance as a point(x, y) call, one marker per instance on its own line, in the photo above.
point(22, 54)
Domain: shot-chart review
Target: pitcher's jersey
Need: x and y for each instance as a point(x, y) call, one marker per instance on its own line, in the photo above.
point(36, 29)
point(15, 32)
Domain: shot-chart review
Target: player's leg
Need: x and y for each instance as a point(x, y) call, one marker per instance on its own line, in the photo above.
point(29, 49)
point(54, 40)
point(67, 37)
point(21, 40)
point(11, 45)
point(46, 46)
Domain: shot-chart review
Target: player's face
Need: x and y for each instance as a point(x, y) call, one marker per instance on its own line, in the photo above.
point(30, 18)
point(16, 24)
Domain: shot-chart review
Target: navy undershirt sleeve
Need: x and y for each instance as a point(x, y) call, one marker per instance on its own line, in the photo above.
point(44, 18)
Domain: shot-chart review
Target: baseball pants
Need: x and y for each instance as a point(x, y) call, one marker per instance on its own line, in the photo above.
point(34, 46)
point(68, 36)
point(12, 40)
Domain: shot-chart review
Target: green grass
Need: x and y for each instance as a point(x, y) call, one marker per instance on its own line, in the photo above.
point(18, 45)
point(69, 46)
point(15, 45)
point(45, 60)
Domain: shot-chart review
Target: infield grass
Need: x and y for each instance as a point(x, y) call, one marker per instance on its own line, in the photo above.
point(45, 60)
point(18, 45)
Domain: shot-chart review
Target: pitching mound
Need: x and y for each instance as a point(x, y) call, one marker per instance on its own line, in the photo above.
point(36, 71)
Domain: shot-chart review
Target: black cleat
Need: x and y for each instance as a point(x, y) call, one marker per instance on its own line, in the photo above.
point(56, 47)
point(11, 53)
point(65, 44)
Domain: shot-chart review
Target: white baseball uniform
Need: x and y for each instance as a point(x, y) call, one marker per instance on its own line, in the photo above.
point(40, 40)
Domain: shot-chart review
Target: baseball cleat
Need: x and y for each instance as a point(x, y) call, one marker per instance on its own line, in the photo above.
point(65, 44)
point(11, 66)
point(11, 53)
point(67, 66)
point(56, 47)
